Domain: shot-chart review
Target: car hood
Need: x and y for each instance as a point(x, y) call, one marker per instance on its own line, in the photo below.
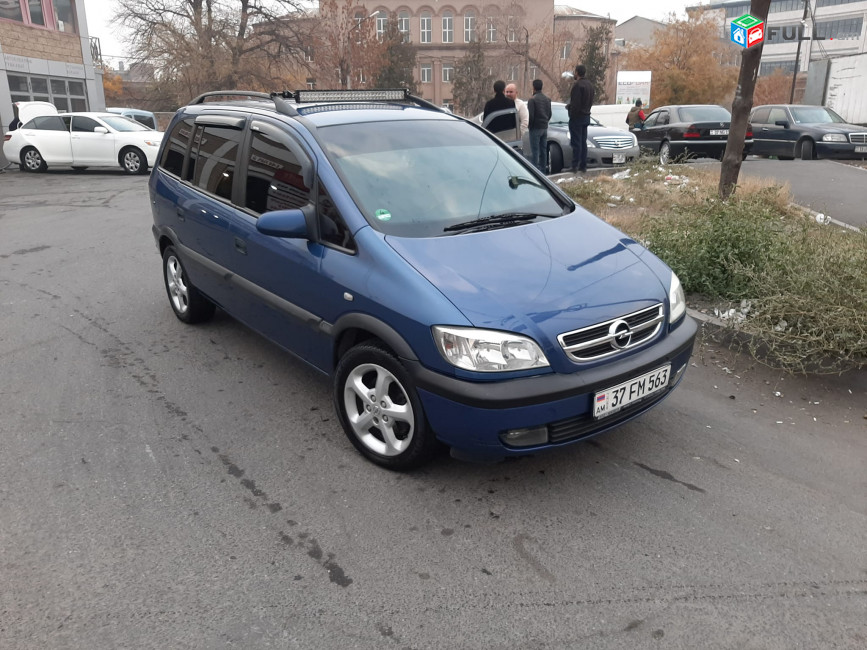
point(28, 110)
point(544, 278)
point(836, 127)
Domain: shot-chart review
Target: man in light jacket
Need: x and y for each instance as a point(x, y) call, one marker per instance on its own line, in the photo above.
point(521, 105)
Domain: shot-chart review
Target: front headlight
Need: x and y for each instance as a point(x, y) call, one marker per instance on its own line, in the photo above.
point(634, 140)
point(152, 143)
point(834, 137)
point(487, 350)
point(676, 299)
point(590, 144)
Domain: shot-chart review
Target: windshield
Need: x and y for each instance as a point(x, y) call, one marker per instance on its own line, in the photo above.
point(559, 114)
point(703, 114)
point(415, 178)
point(120, 123)
point(815, 115)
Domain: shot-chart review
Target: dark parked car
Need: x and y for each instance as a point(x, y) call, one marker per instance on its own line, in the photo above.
point(452, 292)
point(807, 132)
point(688, 131)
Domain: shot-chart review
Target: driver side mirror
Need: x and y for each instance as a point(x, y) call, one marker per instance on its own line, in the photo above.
point(782, 123)
point(290, 224)
point(100, 129)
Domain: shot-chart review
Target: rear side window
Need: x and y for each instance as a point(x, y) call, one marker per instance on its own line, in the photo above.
point(274, 176)
point(760, 116)
point(173, 154)
point(146, 120)
point(46, 123)
point(216, 160)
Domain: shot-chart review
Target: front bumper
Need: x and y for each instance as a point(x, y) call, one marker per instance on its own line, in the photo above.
point(599, 157)
point(471, 416)
point(840, 150)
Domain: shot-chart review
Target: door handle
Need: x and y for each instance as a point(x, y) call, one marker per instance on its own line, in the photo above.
point(764, 128)
point(240, 246)
point(180, 213)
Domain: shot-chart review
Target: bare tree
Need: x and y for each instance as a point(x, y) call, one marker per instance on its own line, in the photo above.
point(741, 106)
point(201, 45)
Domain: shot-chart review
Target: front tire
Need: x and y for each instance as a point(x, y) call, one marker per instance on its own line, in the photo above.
point(32, 161)
point(133, 161)
point(555, 158)
point(806, 149)
point(379, 409)
point(664, 153)
point(188, 303)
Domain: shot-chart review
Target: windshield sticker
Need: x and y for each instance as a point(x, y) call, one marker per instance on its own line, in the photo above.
point(383, 215)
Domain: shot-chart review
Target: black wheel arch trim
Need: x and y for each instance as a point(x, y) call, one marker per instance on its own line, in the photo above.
point(371, 324)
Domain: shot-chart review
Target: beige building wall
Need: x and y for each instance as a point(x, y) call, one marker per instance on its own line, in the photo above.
point(21, 40)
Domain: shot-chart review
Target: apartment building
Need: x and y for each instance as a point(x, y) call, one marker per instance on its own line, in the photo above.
point(45, 55)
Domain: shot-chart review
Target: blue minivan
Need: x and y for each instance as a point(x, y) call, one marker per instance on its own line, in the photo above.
point(453, 293)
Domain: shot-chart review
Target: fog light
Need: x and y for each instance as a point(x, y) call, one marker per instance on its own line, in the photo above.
point(676, 376)
point(525, 437)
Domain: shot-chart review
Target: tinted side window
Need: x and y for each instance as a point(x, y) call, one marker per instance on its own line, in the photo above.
point(81, 124)
point(274, 180)
point(217, 157)
point(332, 227)
point(777, 114)
point(178, 139)
point(46, 123)
point(760, 116)
point(662, 118)
point(146, 120)
point(651, 119)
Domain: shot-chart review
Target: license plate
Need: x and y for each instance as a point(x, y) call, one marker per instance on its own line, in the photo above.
point(609, 401)
point(719, 131)
point(861, 149)
point(621, 157)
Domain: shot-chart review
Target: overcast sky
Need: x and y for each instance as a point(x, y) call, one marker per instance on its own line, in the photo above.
point(99, 13)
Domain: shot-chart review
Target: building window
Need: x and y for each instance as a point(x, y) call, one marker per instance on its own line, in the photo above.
point(513, 30)
point(513, 73)
point(311, 83)
point(534, 72)
point(469, 27)
point(308, 54)
point(64, 16)
point(381, 22)
point(65, 94)
point(449, 105)
point(566, 50)
point(491, 31)
point(425, 27)
point(847, 28)
point(426, 73)
point(770, 66)
point(448, 73)
point(403, 25)
point(448, 27)
point(52, 14)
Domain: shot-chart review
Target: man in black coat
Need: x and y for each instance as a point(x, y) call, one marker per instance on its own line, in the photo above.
point(499, 102)
point(580, 101)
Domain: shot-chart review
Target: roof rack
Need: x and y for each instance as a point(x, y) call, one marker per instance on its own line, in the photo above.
point(364, 95)
point(229, 93)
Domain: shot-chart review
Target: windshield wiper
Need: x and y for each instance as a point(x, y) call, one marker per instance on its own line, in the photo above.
point(495, 220)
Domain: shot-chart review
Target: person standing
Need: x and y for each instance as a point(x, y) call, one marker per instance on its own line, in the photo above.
point(499, 102)
point(580, 101)
point(521, 105)
point(635, 118)
point(539, 114)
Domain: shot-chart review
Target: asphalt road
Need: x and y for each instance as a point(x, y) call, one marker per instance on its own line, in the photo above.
point(166, 486)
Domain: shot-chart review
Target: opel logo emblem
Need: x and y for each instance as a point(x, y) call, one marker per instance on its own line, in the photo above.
point(620, 333)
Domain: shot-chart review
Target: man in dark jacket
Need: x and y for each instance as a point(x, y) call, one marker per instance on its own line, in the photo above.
point(539, 107)
point(580, 101)
point(498, 103)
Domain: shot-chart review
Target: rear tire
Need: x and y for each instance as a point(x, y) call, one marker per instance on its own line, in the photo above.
point(806, 149)
point(188, 303)
point(32, 161)
point(664, 153)
point(555, 158)
point(380, 411)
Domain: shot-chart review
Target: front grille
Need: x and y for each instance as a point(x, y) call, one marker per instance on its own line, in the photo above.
point(584, 425)
point(858, 138)
point(613, 141)
point(607, 339)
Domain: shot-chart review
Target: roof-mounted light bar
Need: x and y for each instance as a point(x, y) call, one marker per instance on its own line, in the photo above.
point(372, 95)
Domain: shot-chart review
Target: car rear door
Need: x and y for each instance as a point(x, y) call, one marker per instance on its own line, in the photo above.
point(50, 136)
point(90, 147)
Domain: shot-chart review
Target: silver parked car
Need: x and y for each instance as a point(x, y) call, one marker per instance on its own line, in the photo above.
point(606, 146)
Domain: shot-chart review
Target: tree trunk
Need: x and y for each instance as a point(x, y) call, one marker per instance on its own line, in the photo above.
point(741, 107)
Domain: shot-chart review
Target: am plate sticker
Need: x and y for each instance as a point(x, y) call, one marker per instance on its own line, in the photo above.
point(383, 215)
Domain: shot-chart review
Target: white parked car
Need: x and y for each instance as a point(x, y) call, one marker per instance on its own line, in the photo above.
point(82, 140)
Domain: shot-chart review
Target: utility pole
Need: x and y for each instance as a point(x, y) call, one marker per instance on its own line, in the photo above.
point(526, 60)
point(798, 55)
